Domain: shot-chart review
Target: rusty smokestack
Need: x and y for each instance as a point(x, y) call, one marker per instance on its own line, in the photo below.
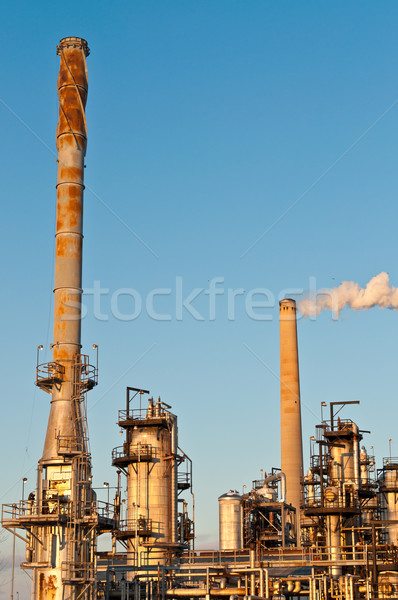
point(71, 139)
point(62, 549)
point(291, 437)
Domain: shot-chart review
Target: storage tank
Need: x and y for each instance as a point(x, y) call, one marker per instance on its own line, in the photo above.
point(230, 520)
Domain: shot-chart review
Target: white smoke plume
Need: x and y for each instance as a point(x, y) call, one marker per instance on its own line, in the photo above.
point(378, 292)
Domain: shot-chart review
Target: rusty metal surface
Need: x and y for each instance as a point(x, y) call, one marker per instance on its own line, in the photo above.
point(47, 587)
point(71, 139)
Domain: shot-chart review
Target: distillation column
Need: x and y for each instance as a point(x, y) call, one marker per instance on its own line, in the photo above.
point(149, 459)
point(150, 486)
point(63, 551)
point(291, 437)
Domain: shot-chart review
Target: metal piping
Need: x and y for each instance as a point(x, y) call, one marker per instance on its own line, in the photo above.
point(192, 592)
point(280, 475)
point(357, 467)
point(333, 527)
point(174, 479)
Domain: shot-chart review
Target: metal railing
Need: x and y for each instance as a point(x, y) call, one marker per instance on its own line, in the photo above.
point(140, 526)
point(215, 557)
point(184, 480)
point(316, 462)
point(338, 425)
point(340, 500)
point(54, 506)
point(27, 509)
point(77, 572)
point(86, 375)
point(70, 445)
point(141, 414)
point(390, 462)
point(137, 452)
point(348, 494)
point(48, 373)
point(280, 556)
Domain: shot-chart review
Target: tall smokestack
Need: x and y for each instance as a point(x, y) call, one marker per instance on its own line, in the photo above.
point(291, 438)
point(60, 518)
point(61, 551)
point(71, 147)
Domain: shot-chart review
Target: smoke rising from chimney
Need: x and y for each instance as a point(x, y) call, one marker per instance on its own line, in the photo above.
point(378, 292)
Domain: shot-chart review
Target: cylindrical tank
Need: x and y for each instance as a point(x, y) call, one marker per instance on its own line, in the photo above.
point(390, 495)
point(230, 520)
point(345, 463)
point(291, 436)
point(152, 488)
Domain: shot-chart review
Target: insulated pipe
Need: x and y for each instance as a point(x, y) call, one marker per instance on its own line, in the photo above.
point(280, 475)
point(357, 460)
point(174, 480)
point(310, 487)
point(291, 436)
point(333, 526)
point(364, 466)
point(71, 146)
point(252, 566)
point(192, 592)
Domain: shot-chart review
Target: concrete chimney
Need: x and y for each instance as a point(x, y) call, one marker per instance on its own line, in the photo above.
point(291, 437)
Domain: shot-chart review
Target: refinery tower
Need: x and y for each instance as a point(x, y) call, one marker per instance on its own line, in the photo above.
point(60, 518)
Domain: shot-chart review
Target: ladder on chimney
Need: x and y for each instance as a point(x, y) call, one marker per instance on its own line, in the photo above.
point(79, 404)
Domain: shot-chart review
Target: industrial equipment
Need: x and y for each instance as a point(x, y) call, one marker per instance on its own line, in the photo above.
point(329, 535)
point(154, 533)
point(62, 518)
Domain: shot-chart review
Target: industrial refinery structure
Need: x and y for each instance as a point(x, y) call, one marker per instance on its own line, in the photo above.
point(331, 533)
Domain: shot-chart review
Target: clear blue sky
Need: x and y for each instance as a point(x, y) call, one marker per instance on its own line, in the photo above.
point(207, 120)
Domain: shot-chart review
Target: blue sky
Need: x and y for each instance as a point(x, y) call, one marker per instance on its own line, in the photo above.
point(207, 121)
